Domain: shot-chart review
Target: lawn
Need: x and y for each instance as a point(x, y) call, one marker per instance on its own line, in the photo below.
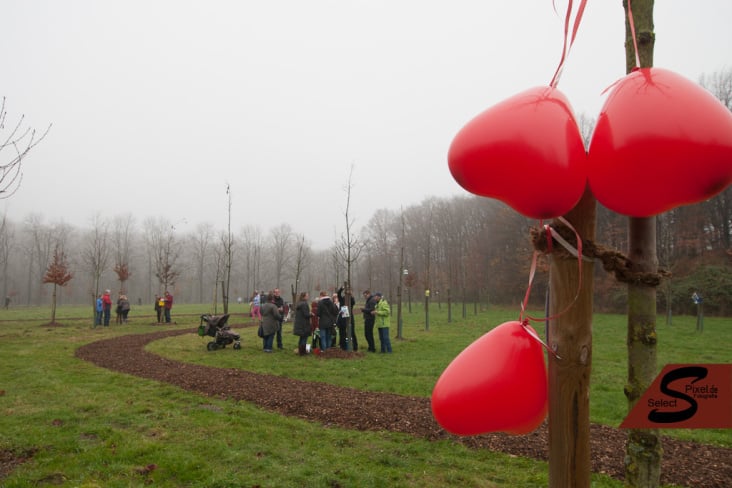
point(85, 426)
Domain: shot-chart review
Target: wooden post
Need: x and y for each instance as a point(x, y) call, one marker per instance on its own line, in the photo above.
point(570, 337)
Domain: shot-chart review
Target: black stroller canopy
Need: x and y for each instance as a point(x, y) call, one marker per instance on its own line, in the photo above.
point(218, 321)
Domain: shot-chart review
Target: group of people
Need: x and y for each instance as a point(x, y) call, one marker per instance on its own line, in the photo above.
point(321, 318)
point(163, 306)
point(103, 309)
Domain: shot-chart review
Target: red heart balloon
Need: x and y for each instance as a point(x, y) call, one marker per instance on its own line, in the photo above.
point(525, 151)
point(661, 141)
point(498, 383)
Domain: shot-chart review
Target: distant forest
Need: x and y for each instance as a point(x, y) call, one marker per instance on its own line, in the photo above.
point(465, 249)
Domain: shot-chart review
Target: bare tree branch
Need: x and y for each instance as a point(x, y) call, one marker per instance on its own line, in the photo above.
point(20, 140)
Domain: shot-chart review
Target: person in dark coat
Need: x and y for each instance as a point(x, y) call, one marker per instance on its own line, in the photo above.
point(280, 302)
point(270, 322)
point(345, 318)
point(327, 314)
point(301, 325)
point(369, 319)
point(314, 325)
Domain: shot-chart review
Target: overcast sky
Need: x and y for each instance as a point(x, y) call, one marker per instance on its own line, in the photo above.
point(157, 105)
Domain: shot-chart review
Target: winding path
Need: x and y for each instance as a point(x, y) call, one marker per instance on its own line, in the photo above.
point(684, 463)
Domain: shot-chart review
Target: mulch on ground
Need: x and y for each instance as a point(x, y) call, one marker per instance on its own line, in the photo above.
point(684, 463)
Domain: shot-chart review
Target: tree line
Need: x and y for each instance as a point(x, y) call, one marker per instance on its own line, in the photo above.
point(465, 249)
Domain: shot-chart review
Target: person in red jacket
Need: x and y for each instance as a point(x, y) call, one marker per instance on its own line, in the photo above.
point(168, 298)
point(107, 306)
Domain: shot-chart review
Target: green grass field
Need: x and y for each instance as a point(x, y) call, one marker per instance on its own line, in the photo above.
point(83, 426)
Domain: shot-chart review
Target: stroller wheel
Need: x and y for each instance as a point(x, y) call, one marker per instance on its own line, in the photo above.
point(211, 346)
point(237, 345)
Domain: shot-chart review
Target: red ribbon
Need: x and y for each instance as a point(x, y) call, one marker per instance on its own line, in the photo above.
point(632, 32)
point(567, 46)
point(552, 234)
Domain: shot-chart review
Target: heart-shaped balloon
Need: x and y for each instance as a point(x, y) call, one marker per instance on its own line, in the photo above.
point(497, 384)
point(661, 141)
point(526, 151)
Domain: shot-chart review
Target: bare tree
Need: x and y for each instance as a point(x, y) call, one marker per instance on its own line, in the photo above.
point(220, 264)
point(281, 239)
point(587, 127)
point(95, 254)
point(301, 262)
point(164, 251)
point(19, 141)
point(7, 236)
point(349, 249)
point(228, 245)
point(201, 250)
point(719, 84)
point(250, 241)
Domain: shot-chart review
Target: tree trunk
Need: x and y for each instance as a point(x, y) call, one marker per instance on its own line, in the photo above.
point(570, 337)
point(53, 305)
point(643, 448)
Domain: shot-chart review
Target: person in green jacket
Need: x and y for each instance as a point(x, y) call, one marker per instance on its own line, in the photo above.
point(382, 311)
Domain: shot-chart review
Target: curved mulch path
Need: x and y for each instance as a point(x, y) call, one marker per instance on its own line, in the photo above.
point(684, 463)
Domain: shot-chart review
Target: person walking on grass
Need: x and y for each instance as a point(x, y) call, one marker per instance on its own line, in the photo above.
point(270, 322)
point(256, 305)
point(301, 324)
point(382, 312)
point(124, 307)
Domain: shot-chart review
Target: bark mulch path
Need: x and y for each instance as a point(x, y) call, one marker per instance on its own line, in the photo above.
point(684, 463)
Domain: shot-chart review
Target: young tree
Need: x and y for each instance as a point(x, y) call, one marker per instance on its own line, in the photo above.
point(95, 253)
point(348, 250)
point(643, 451)
point(302, 261)
point(227, 243)
point(58, 274)
point(219, 261)
point(164, 251)
point(250, 239)
point(45, 238)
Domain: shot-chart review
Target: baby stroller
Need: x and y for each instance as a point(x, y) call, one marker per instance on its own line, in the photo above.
point(215, 326)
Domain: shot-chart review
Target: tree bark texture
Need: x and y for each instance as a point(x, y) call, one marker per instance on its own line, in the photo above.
point(643, 449)
point(570, 337)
